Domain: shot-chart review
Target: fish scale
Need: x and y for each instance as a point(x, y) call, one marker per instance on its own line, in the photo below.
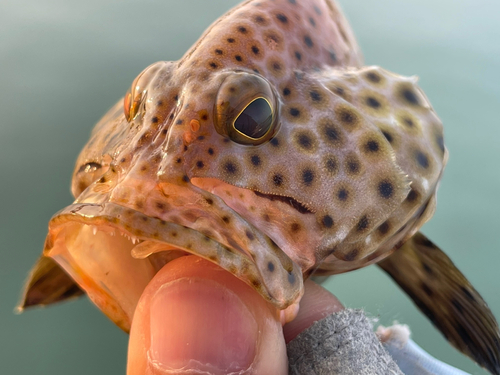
point(338, 170)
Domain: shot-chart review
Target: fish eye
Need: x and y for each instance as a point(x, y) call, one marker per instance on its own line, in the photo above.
point(133, 102)
point(246, 109)
point(255, 120)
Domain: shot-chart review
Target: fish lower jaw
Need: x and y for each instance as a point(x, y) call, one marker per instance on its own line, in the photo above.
point(113, 265)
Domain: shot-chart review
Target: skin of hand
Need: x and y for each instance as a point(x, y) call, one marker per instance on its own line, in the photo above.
point(196, 318)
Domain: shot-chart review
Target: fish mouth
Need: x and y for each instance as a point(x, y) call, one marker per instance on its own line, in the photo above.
point(112, 252)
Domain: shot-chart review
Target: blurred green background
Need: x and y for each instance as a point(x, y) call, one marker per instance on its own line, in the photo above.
point(64, 63)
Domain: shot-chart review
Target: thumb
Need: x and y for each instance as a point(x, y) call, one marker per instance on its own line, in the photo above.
point(195, 317)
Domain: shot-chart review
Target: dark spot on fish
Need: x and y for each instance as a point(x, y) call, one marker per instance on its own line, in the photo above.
point(255, 283)
point(362, 224)
point(409, 122)
point(372, 146)
point(259, 19)
point(373, 77)
point(422, 159)
point(270, 266)
point(249, 235)
point(351, 255)
point(384, 228)
point(327, 221)
point(282, 18)
point(230, 167)
point(307, 177)
point(385, 189)
point(331, 164)
point(278, 179)
point(308, 41)
point(353, 166)
point(315, 95)
point(255, 160)
point(305, 141)
point(342, 195)
point(372, 102)
point(427, 269)
point(410, 96)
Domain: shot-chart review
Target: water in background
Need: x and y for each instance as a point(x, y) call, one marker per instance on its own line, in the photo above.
point(63, 63)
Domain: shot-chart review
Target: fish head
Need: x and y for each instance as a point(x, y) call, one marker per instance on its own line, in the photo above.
point(267, 149)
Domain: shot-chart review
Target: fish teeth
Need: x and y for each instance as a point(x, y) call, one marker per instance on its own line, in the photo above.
point(94, 230)
point(133, 239)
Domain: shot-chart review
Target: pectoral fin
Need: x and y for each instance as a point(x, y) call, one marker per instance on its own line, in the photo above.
point(47, 284)
point(443, 293)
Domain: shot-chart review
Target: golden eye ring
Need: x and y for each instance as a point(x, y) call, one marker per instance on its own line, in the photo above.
point(269, 121)
point(246, 109)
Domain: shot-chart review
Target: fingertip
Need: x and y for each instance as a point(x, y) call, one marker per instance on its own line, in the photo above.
point(194, 315)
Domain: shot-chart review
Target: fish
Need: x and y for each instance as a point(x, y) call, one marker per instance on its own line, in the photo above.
point(272, 151)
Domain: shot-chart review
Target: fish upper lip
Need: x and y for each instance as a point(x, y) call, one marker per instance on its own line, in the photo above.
point(139, 226)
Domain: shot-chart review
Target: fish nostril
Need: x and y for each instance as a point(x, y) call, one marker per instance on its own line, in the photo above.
point(195, 125)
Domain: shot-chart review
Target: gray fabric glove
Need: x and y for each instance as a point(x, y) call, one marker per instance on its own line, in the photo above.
point(343, 343)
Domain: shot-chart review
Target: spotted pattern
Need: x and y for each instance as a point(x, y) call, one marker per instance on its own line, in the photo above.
point(348, 169)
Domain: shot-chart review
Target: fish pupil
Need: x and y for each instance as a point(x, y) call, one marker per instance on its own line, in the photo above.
point(256, 119)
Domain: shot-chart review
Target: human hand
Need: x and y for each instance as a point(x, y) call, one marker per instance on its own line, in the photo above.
point(196, 318)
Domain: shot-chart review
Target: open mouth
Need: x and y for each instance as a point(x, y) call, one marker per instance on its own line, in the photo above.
point(112, 252)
